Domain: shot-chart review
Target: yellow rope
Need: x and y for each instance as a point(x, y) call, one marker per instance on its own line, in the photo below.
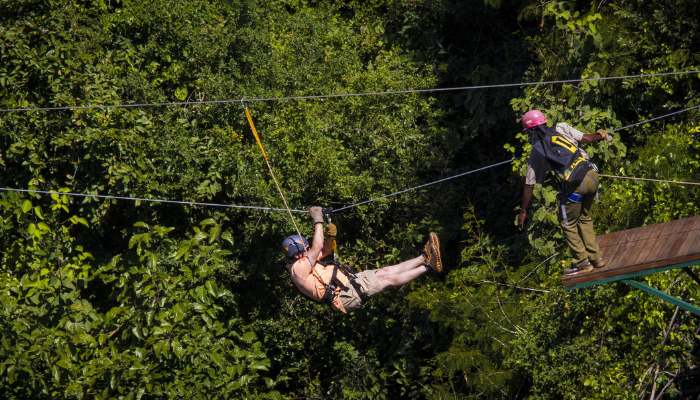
point(269, 167)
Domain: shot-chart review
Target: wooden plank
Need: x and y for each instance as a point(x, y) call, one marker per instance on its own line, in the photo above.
point(641, 251)
point(637, 247)
point(695, 224)
point(626, 243)
point(654, 248)
point(614, 254)
point(607, 275)
point(659, 243)
point(686, 234)
point(645, 248)
point(673, 247)
point(692, 244)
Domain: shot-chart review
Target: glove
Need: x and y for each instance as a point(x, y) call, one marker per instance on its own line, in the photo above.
point(604, 134)
point(331, 230)
point(316, 214)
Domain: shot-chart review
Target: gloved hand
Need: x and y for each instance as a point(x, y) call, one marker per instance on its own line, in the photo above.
point(331, 230)
point(316, 214)
point(604, 134)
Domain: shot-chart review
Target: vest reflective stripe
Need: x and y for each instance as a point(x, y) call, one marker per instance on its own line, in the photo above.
point(563, 142)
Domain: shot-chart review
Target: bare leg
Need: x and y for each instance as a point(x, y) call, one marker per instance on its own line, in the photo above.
point(402, 267)
point(400, 274)
point(403, 278)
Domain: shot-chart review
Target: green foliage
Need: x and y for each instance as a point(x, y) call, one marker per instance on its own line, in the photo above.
point(110, 299)
point(149, 321)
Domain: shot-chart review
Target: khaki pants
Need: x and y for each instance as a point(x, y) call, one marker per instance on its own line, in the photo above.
point(578, 226)
point(369, 285)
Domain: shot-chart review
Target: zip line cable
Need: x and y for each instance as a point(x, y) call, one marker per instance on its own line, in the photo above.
point(657, 118)
point(634, 178)
point(145, 199)
point(652, 179)
point(269, 167)
point(422, 185)
point(494, 165)
point(342, 95)
point(290, 210)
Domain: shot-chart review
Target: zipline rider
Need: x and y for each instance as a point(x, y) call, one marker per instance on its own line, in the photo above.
point(339, 287)
point(556, 149)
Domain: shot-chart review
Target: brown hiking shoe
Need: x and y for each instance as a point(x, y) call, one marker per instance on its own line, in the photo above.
point(431, 253)
point(581, 267)
point(599, 263)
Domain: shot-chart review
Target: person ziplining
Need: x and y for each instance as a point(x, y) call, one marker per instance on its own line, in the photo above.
point(326, 281)
point(557, 150)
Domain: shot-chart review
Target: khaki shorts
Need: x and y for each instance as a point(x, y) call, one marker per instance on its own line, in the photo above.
point(369, 285)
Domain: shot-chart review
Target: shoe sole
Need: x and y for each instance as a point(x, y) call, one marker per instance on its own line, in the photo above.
point(581, 271)
point(435, 247)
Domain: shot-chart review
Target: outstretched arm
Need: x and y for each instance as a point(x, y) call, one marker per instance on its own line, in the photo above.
point(314, 251)
point(600, 134)
point(570, 131)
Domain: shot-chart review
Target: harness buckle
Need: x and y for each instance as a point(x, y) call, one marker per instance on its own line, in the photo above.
point(575, 197)
point(330, 293)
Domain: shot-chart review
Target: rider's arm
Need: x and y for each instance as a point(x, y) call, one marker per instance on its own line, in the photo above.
point(572, 133)
point(524, 204)
point(536, 170)
point(314, 251)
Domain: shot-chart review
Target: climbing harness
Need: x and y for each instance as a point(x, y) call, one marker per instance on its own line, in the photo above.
point(351, 274)
point(572, 197)
point(334, 259)
point(562, 155)
point(331, 287)
point(575, 197)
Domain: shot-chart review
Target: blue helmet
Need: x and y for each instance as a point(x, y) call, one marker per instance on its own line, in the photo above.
point(293, 245)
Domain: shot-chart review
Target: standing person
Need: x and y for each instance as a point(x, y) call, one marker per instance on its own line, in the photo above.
point(556, 149)
point(340, 288)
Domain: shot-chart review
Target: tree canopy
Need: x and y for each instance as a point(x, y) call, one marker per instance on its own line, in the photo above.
point(104, 298)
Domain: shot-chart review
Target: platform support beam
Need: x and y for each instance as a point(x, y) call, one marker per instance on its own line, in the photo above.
point(663, 296)
point(692, 275)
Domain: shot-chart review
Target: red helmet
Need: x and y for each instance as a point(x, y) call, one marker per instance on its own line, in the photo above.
point(533, 118)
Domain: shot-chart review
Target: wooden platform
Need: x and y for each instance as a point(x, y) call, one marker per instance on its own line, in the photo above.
point(643, 251)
